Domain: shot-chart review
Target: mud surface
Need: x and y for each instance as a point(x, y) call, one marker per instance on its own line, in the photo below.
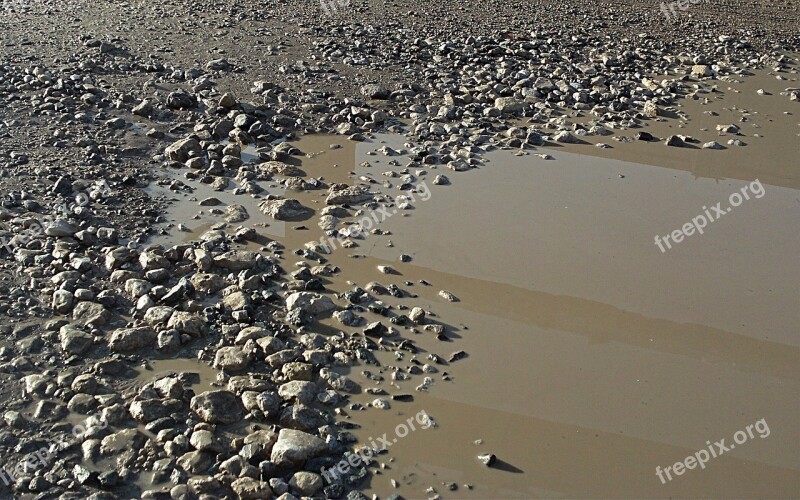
point(443, 250)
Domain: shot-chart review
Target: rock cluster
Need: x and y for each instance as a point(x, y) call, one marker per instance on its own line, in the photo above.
point(87, 297)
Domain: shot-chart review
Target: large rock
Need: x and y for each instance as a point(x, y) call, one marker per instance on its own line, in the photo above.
point(235, 300)
point(237, 260)
point(74, 340)
point(179, 150)
point(280, 169)
point(196, 462)
point(119, 256)
point(251, 333)
point(650, 109)
point(218, 64)
point(151, 260)
point(348, 196)
point(375, 91)
point(90, 314)
point(339, 382)
point(147, 410)
point(144, 108)
point(158, 314)
point(207, 283)
point(701, 70)
point(181, 100)
point(294, 447)
point(285, 210)
point(258, 444)
point(566, 137)
point(232, 359)
point(236, 213)
point(131, 339)
point(186, 322)
point(60, 227)
point(218, 407)
point(300, 391)
point(309, 303)
point(118, 442)
point(675, 141)
point(508, 105)
point(203, 440)
point(306, 483)
point(247, 488)
point(135, 288)
point(62, 301)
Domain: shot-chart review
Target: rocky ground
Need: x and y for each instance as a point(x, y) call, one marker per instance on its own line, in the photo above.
point(101, 100)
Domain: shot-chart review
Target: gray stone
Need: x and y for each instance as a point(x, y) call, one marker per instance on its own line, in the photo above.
point(147, 410)
point(218, 407)
point(158, 315)
point(349, 195)
point(339, 382)
point(285, 210)
point(131, 339)
point(508, 105)
point(207, 283)
point(306, 483)
point(375, 91)
point(300, 391)
point(237, 260)
point(119, 442)
point(90, 314)
point(700, 70)
point(294, 447)
point(566, 137)
point(60, 227)
point(675, 141)
point(63, 301)
point(189, 323)
point(247, 488)
point(74, 340)
point(179, 150)
point(448, 296)
point(309, 303)
point(196, 462)
point(232, 358)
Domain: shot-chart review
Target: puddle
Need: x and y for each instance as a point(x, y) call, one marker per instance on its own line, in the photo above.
point(185, 208)
point(200, 376)
point(769, 125)
point(194, 219)
point(610, 356)
point(593, 356)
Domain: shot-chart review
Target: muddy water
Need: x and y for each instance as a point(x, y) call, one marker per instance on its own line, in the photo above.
point(605, 356)
point(593, 356)
point(185, 208)
point(200, 376)
point(769, 125)
point(575, 318)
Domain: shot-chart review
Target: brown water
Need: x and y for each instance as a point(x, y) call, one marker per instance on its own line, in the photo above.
point(580, 327)
point(201, 376)
point(593, 356)
point(771, 132)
